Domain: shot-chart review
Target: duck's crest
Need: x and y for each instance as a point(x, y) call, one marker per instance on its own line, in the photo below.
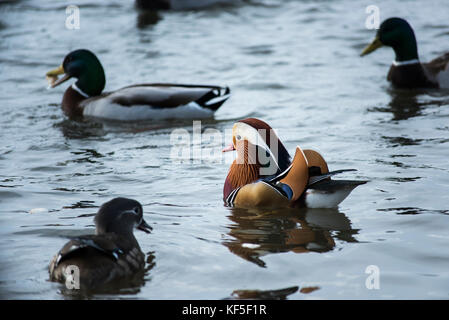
point(270, 138)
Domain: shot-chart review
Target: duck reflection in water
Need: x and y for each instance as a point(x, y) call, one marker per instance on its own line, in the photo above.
point(98, 128)
point(256, 232)
point(147, 18)
point(405, 104)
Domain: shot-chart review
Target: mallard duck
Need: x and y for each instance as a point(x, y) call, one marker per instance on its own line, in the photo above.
point(407, 71)
point(112, 254)
point(131, 103)
point(263, 175)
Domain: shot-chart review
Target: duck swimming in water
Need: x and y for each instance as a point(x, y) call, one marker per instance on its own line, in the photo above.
point(407, 71)
point(112, 254)
point(85, 97)
point(263, 174)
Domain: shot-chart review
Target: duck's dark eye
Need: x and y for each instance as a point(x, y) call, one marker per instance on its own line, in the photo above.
point(137, 210)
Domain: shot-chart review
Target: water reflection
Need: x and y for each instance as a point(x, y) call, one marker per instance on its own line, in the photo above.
point(257, 232)
point(405, 104)
point(280, 294)
point(98, 128)
point(413, 211)
point(80, 129)
point(146, 18)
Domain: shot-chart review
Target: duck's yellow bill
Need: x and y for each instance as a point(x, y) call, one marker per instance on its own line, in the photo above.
point(56, 72)
point(52, 76)
point(376, 44)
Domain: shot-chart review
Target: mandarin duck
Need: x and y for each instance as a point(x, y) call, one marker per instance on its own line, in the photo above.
point(263, 174)
point(135, 102)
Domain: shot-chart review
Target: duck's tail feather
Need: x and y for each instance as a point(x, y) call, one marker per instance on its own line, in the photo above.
point(317, 178)
point(214, 98)
point(329, 193)
point(329, 185)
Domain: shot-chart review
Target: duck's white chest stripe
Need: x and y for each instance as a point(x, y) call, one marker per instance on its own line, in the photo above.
point(81, 92)
point(230, 199)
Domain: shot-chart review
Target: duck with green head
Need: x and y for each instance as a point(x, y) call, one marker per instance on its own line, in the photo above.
point(407, 71)
point(85, 97)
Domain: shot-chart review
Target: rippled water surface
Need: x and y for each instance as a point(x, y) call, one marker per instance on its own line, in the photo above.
point(294, 64)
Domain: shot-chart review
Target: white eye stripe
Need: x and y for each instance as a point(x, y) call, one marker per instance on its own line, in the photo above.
point(132, 211)
point(254, 137)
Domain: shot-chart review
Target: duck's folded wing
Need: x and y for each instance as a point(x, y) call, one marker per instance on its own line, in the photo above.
point(257, 194)
point(438, 64)
point(106, 245)
point(317, 178)
point(329, 193)
point(159, 95)
point(337, 185)
point(438, 70)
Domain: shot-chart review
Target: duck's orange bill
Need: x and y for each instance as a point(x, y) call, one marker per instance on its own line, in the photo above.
point(229, 148)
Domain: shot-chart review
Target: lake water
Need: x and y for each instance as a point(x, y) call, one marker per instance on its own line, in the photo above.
point(296, 65)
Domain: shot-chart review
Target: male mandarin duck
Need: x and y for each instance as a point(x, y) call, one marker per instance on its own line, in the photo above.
point(112, 254)
point(131, 103)
point(407, 71)
point(263, 175)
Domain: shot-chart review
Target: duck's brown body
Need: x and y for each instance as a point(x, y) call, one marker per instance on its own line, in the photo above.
point(243, 179)
point(411, 76)
point(71, 103)
point(106, 259)
point(101, 260)
point(419, 75)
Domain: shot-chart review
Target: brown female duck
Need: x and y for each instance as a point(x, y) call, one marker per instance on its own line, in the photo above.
point(112, 254)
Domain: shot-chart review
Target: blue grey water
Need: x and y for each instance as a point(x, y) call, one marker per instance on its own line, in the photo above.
point(295, 64)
